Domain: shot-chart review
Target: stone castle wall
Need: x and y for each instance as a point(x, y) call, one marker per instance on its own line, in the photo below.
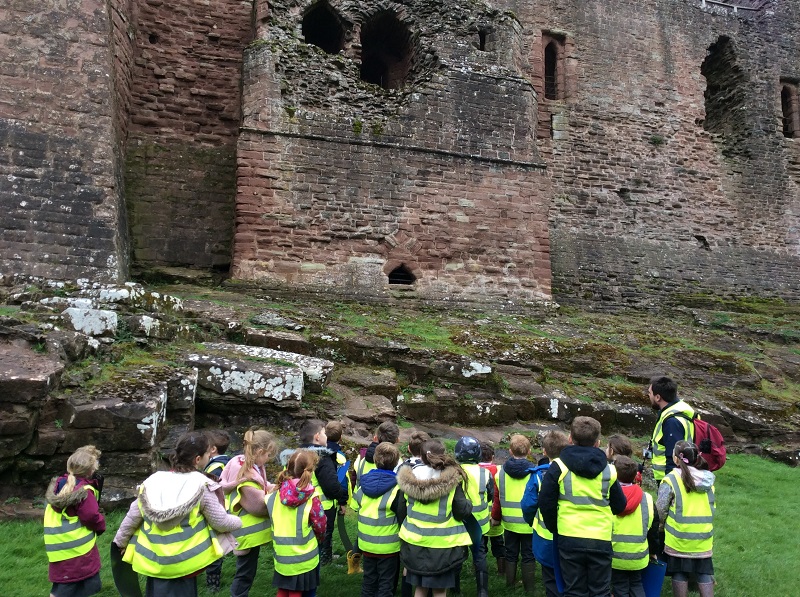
point(63, 213)
point(652, 163)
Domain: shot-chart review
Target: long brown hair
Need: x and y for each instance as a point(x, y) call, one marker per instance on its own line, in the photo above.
point(435, 456)
point(255, 440)
point(190, 445)
point(687, 454)
point(301, 466)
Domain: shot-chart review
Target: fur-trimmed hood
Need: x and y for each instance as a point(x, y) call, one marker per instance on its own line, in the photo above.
point(427, 490)
point(168, 496)
point(63, 501)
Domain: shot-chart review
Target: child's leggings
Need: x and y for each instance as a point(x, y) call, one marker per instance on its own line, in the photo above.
point(287, 593)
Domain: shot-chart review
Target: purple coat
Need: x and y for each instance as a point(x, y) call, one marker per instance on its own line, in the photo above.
point(81, 503)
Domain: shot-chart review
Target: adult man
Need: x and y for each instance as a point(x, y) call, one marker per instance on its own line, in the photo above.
point(674, 424)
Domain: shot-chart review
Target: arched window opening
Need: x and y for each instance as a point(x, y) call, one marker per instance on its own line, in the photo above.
point(551, 71)
point(386, 51)
point(322, 28)
point(790, 110)
point(401, 275)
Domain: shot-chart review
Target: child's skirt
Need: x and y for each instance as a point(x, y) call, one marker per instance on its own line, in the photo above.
point(445, 580)
point(308, 581)
point(82, 588)
point(690, 566)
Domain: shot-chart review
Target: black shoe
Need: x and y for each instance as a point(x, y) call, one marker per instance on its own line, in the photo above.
point(213, 582)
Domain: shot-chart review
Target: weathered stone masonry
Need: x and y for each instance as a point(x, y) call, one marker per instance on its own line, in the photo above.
point(633, 149)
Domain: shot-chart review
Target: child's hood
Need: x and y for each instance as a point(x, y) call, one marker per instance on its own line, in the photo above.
point(427, 490)
point(703, 480)
point(634, 495)
point(584, 461)
point(292, 496)
point(518, 468)
point(377, 482)
point(168, 496)
point(63, 501)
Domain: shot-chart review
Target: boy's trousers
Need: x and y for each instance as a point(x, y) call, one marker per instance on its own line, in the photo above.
point(380, 575)
point(586, 568)
point(627, 583)
point(516, 543)
point(549, 582)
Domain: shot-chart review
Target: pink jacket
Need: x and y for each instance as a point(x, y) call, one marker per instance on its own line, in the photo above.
point(252, 498)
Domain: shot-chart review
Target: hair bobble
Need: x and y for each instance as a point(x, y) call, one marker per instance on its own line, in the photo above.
point(686, 460)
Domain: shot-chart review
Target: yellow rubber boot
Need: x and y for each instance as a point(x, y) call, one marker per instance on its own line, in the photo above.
point(354, 563)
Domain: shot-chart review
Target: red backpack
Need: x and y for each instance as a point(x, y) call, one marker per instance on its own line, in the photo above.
point(709, 441)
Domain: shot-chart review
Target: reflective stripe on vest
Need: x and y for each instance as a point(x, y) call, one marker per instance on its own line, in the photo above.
point(659, 461)
point(629, 539)
point(431, 524)
point(538, 521)
point(511, 492)
point(65, 537)
point(476, 493)
point(293, 539)
point(377, 524)
point(183, 549)
point(256, 530)
point(327, 503)
point(583, 506)
point(363, 468)
point(689, 527)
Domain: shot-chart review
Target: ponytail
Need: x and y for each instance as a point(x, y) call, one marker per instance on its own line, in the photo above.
point(687, 455)
point(301, 466)
point(82, 463)
point(254, 441)
point(433, 454)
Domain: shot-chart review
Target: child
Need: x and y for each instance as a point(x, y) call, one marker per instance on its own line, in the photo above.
point(495, 534)
point(433, 505)
point(298, 523)
point(686, 505)
point(619, 445)
point(244, 480)
point(325, 479)
point(387, 432)
point(579, 495)
point(219, 440)
point(479, 493)
point(415, 448)
point(180, 498)
point(378, 526)
point(635, 533)
point(511, 481)
point(542, 539)
point(72, 521)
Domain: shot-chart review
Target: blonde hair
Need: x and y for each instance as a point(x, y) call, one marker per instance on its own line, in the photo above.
point(301, 466)
point(82, 463)
point(256, 440)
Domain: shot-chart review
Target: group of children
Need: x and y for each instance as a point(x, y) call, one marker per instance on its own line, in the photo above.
point(578, 512)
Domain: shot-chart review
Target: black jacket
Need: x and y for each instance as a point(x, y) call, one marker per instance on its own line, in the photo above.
point(327, 478)
point(587, 462)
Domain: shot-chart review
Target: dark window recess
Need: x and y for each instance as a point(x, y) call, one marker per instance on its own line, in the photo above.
point(790, 110)
point(551, 70)
point(401, 275)
point(726, 91)
point(386, 51)
point(153, 38)
point(486, 39)
point(482, 40)
point(322, 28)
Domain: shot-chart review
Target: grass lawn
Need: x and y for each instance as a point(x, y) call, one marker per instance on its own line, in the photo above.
point(754, 548)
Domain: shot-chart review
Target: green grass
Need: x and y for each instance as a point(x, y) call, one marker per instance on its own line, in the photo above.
point(755, 541)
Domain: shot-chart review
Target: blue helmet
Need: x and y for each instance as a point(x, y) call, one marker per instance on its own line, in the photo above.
point(468, 450)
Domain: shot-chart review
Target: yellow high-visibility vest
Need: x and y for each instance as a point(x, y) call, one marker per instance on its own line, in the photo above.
point(182, 550)
point(659, 461)
point(476, 493)
point(293, 538)
point(327, 503)
point(65, 536)
point(511, 492)
point(538, 521)
point(431, 524)
point(362, 468)
point(629, 538)
point(689, 527)
point(256, 530)
point(378, 531)
point(583, 504)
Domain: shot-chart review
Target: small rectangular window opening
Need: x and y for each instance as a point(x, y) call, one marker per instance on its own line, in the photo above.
point(790, 109)
point(554, 76)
